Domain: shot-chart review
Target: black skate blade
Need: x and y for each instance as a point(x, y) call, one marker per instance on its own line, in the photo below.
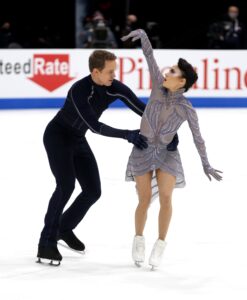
point(138, 264)
point(67, 247)
point(50, 262)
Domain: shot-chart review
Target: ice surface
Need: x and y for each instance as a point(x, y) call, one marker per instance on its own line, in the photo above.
point(206, 253)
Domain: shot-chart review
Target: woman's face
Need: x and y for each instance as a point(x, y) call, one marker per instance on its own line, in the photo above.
point(173, 79)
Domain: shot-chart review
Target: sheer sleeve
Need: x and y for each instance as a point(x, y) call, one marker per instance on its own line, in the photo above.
point(198, 140)
point(156, 76)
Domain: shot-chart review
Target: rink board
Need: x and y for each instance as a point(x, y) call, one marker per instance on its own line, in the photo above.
point(41, 78)
point(58, 102)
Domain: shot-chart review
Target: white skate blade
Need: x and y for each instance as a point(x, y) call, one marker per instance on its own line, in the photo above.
point(50, 262)
point(153, 268)
point(67, 247)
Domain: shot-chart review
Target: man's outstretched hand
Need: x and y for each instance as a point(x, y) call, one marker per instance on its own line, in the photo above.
point(173, 144)
point(139, 140)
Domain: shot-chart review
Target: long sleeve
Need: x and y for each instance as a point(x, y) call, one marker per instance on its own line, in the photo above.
point(125, 94)
point(87, 115)
point(156, 76)
point(198, 140)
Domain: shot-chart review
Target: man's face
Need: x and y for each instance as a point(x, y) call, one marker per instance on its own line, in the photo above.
point(106, 76)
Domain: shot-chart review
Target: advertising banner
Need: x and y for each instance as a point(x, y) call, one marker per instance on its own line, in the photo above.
point(42, 78)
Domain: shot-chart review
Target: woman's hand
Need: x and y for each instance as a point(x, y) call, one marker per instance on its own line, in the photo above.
point(213, 172)
point(135, 35)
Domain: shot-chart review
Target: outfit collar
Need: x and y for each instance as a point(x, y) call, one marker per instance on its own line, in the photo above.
point(95, 85)
point(175, 94)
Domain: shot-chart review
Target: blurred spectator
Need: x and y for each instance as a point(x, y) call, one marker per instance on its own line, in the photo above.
point(7, 39)
point(5, 35)
point(228, 33)
point(152, 30)
point(130, 25)
point(97, 34)
point(42, 38)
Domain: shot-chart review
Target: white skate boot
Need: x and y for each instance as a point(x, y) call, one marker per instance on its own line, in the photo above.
point(157, 253)
point(138, 250)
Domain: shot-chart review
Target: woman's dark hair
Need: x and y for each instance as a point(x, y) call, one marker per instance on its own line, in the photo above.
point(188, 73)
point(98, 58)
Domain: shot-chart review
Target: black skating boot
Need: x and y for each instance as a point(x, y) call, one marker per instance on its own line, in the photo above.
point(71, 240)
point(51, 253)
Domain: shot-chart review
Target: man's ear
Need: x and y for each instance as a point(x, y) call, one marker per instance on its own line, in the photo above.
point(95, 71)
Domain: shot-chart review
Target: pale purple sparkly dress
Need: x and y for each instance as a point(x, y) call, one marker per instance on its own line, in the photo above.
point(164, 114)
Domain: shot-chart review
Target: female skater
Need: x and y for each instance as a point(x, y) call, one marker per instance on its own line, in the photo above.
point(165, 112)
